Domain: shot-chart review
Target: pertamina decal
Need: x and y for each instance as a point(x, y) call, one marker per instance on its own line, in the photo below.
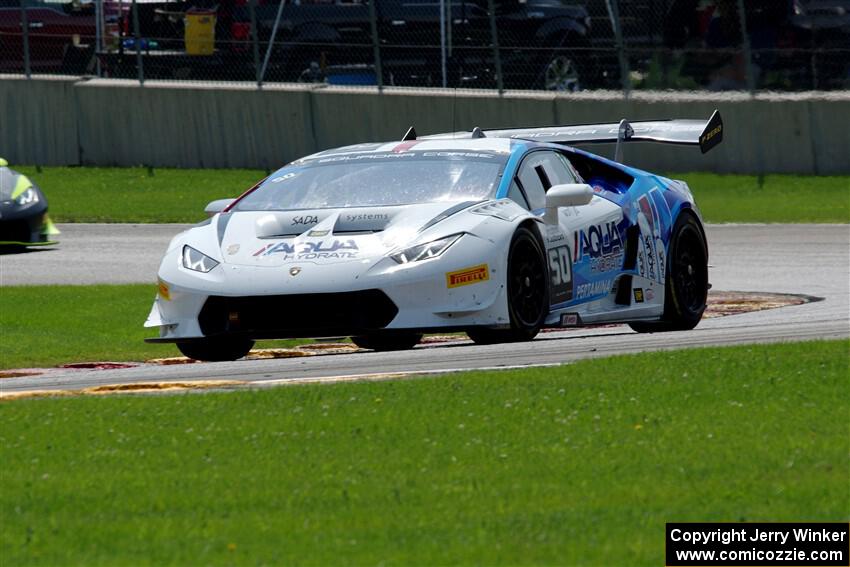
point(591, 289)
point(468, 276)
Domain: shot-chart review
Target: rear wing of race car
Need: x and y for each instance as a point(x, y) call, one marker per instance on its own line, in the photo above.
point(703, 133)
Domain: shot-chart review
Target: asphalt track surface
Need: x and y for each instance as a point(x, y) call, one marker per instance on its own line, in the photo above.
point(799, 259)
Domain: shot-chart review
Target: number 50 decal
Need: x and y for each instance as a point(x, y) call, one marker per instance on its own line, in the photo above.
point(561, 270)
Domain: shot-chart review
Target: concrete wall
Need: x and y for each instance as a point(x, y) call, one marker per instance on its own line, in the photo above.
point(122, 124)
point(58, 121)
point(38, 120)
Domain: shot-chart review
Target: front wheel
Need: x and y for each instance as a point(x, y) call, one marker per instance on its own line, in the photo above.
point(216, 349)
point(686, 287)
point(387, 341)
point(528, 293)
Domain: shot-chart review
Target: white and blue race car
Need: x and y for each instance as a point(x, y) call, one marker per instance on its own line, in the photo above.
point(495, 233)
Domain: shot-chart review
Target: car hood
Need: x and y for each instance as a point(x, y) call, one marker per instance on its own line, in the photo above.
point(326, 236)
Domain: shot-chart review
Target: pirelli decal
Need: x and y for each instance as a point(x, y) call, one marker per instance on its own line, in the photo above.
point(468, 276)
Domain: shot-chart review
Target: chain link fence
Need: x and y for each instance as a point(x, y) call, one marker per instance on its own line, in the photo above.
point(556, 45)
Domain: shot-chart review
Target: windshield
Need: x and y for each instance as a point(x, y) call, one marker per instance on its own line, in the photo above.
point(379, 179)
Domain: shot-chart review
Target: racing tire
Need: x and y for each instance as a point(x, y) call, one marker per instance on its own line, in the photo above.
point(686, 287)
point(216, 349)
point(528, 293)
point(387, 341)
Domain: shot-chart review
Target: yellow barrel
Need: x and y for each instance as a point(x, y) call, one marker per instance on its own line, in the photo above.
point(200, 32)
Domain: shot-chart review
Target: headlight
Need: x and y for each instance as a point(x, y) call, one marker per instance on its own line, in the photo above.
point(197, 261)
point(425, 251)
point(28, 197)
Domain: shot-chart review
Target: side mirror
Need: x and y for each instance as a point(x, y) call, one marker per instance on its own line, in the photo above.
point(217, 206)
point(566, 195)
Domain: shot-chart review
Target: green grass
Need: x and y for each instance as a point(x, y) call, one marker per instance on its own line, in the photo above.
point(579, 464)
point(770, 199)
point(55, 324)
point(79, 194)
point(137, 194)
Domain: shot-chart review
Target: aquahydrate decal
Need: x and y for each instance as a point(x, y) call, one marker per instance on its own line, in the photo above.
point(602, 244)
point(323, 249)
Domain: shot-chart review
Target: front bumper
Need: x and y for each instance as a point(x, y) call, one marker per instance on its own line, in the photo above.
point(267, 302)
point(34, 229)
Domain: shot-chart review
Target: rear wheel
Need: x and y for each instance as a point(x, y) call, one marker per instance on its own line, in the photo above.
point(387, 341)
point(561, 73)
point(216, 349)
point(527, 293)
point(686, 288)
point(565, 64)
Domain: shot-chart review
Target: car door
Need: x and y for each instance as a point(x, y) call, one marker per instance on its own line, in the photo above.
point(585, 248)
point(596, 233)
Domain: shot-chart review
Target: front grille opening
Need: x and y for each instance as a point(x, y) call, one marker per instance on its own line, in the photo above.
point(298, 315)
point(15, 231)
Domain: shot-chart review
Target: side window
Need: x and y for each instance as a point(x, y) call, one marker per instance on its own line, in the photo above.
point(515, 194)
point(564, 170)
point(539, 172)
point(529, 177)
point(557, 169)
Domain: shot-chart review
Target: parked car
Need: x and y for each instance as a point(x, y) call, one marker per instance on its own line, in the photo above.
point(61, 36)
point(544, 44)
point(795, 44)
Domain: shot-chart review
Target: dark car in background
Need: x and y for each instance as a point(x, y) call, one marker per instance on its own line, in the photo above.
point(23, 211)
point(61, 36)
point(562, 45)
point(544, 44)
point(823, 26)
point(795, 44)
